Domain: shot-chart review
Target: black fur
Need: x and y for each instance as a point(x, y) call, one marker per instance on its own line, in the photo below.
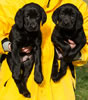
point(26, 32)
point(68, 25)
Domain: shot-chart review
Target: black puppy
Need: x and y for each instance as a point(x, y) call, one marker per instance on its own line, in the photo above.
point(69, 21)
point(26, 33)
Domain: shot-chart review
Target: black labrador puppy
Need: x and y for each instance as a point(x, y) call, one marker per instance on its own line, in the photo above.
point(26, 33)
point(68, 25)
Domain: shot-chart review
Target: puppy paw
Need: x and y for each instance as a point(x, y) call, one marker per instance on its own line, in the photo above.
point(55, 77)
point(24, 91)
point(27, 94)
point(38, 77)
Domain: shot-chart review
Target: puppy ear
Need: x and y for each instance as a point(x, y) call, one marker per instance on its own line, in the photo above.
point(79, 21)
point(56, 15)
point(44, 17)
point(19, 18)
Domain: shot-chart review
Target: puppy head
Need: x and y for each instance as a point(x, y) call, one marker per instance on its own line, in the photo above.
point(67, 17)
point(30, 17)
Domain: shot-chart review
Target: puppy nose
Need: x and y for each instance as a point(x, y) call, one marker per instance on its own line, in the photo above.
point(33, 25)
point(66, 21)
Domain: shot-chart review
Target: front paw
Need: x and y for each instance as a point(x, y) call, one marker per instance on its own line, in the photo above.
point(26, 94)
point(23, 89)
point(38, 77)
point(55, 77)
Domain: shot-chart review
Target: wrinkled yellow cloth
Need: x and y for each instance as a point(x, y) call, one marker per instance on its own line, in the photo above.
point(47, 90)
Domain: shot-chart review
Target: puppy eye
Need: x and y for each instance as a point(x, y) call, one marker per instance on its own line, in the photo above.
point(62, 15)
point(27, 17)
point(37, 17)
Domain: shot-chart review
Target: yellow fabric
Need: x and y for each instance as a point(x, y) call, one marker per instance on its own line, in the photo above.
point(47, 90)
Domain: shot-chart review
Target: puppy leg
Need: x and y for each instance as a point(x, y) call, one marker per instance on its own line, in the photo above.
point(19, 83)
point(62, 71)
point(55, 67)
point(38, 77)
point(10, 62)
point(16, 60)
point(27, 68)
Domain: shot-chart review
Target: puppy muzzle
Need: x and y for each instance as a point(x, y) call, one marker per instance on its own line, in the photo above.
point(31, 27)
